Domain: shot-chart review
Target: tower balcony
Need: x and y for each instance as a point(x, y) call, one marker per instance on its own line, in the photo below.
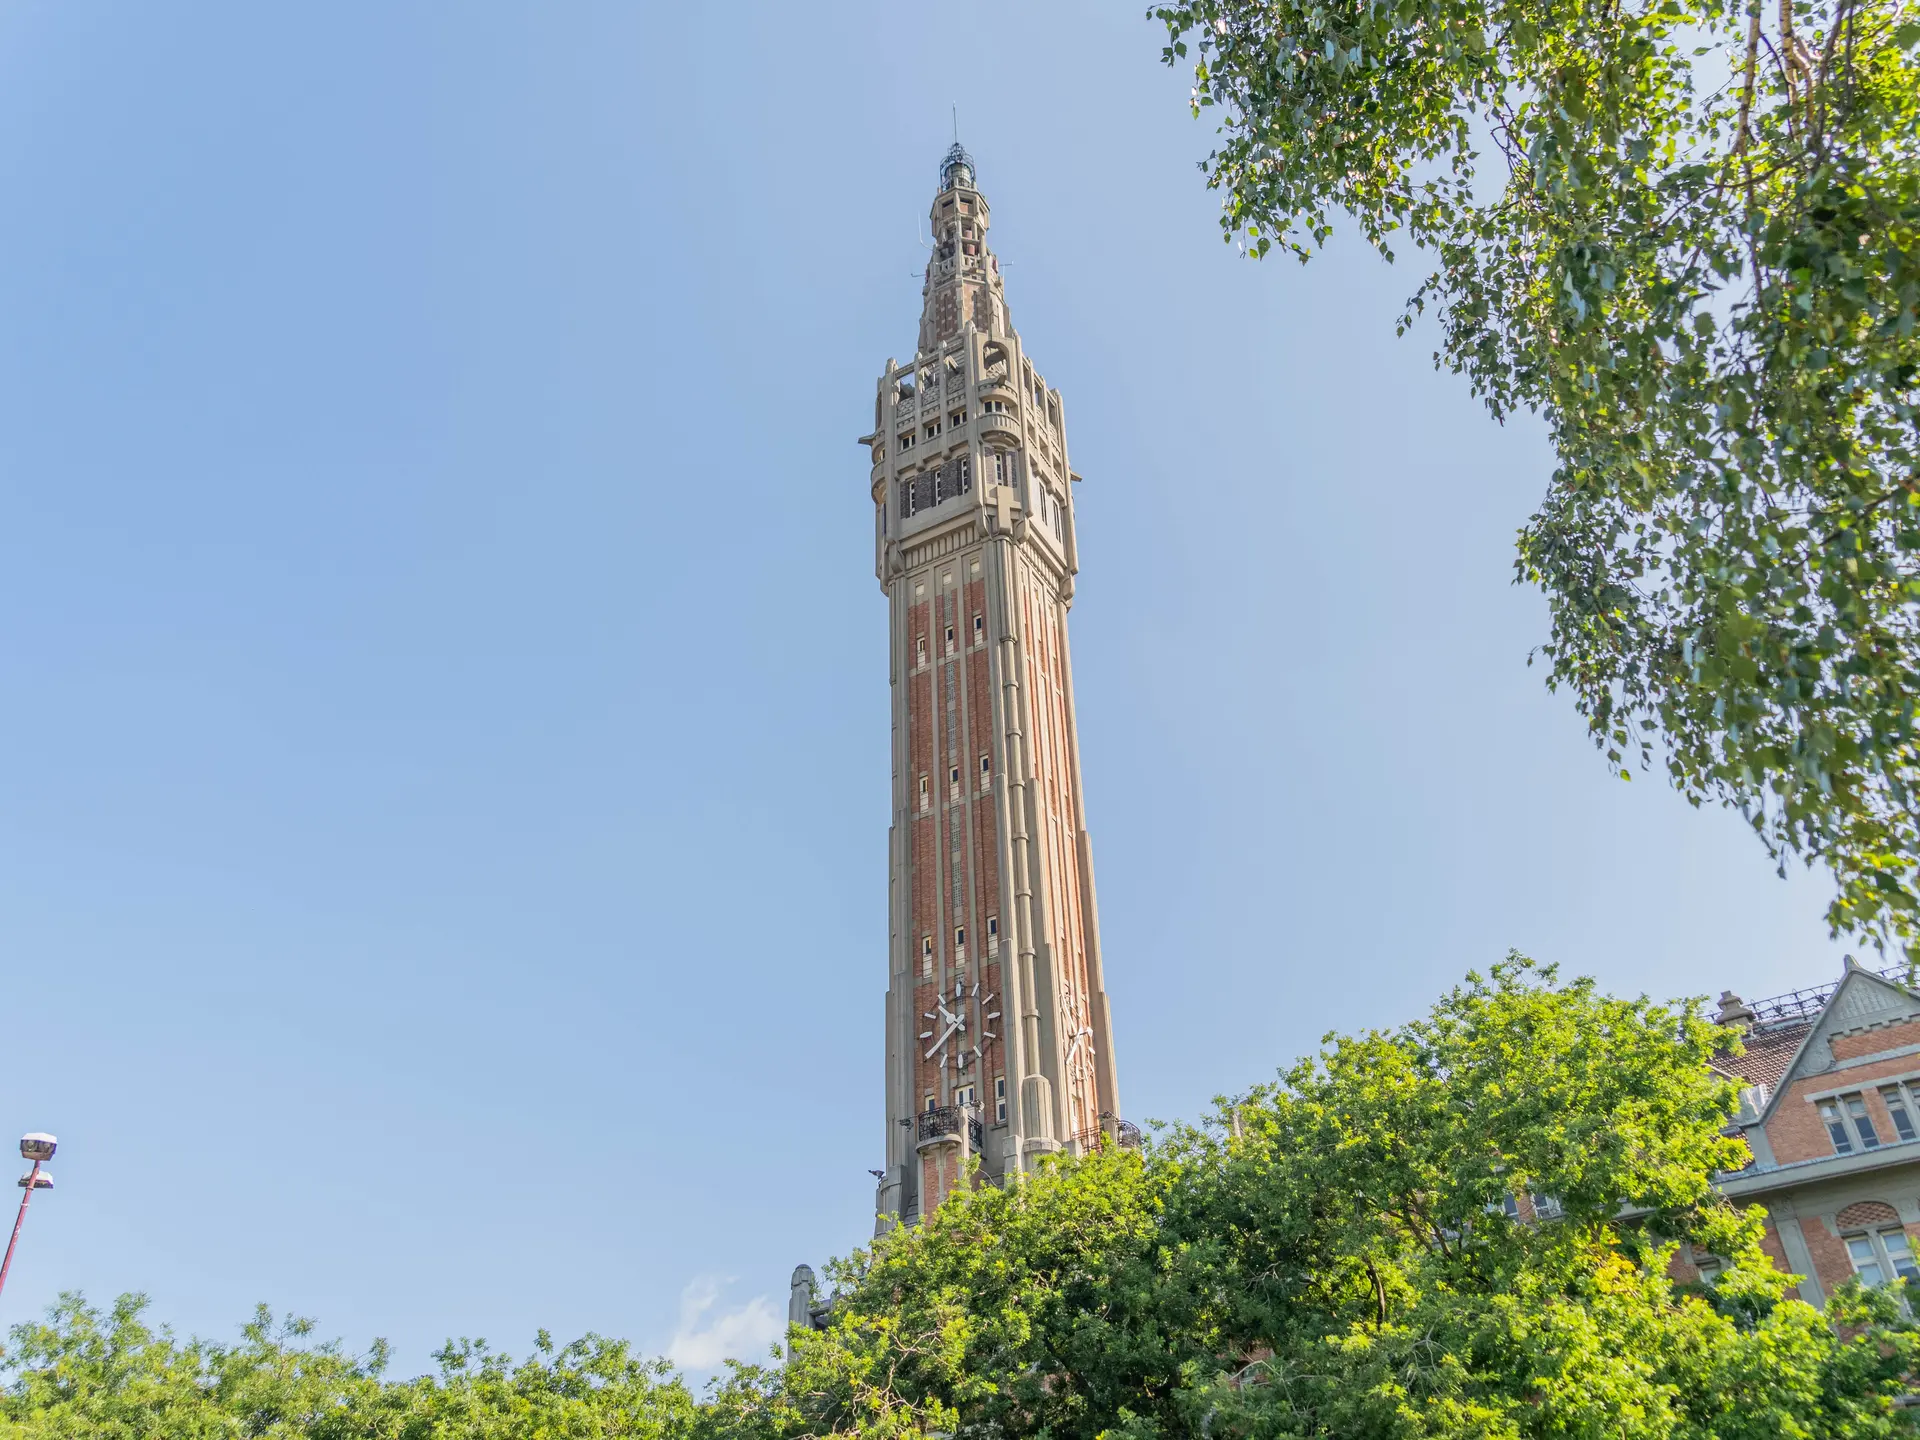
point(1123, 1133)
point(949, 1125)
point(997, 424)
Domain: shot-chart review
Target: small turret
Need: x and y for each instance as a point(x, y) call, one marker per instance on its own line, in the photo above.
point(800, 1298)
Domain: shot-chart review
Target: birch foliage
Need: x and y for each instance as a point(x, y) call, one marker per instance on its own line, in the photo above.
point(1686, 233)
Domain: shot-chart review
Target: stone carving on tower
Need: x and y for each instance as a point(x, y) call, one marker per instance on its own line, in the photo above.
point(999, 1043)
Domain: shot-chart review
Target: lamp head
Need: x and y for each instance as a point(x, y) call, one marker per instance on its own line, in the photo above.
point(36, 1180)
point(38, 1146)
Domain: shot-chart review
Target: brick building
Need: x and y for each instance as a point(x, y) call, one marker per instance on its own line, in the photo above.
point(998, 1036)
point(1830, 1107)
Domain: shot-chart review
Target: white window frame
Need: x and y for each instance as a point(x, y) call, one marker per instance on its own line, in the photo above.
point(1900, 1102)
point(993, 936)
point(1879, 1257)
point(999, 1099)
point(1851, 1131)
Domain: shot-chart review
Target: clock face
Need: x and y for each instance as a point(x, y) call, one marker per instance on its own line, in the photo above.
point(951, 1033)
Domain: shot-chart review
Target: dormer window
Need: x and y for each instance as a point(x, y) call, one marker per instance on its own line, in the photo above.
point(1899, 1111)
point(1849, 1125)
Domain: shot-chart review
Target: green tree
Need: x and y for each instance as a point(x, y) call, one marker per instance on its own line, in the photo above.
point(1331, 1256)
point(85, 1375)
point(1687, 234)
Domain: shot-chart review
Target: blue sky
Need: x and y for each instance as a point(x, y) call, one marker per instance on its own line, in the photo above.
point(442, 679)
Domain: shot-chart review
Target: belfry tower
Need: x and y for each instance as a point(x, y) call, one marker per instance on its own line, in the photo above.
point(998, 1039)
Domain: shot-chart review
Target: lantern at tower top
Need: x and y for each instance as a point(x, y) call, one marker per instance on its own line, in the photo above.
point(956, 171)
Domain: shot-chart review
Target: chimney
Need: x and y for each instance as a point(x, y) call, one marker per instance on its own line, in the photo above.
point(1733, 1011)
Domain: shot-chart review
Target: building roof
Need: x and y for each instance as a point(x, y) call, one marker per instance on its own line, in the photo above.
point(1769, 1050)
point(1776, 1027)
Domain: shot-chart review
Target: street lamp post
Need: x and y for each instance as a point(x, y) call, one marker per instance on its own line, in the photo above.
point(39, 1149)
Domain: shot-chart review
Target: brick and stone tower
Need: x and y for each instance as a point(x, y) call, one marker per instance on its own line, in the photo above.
point(998, 1038)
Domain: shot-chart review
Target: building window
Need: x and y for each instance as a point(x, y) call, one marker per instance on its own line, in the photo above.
point(993, 935)
point(999, 1099)
point(963, 1095)
point(930, 430)
point(920, 652)
point(959, 944)
point(1899, 1110)
point(926, 957)
point(979, 629)
point(986, 773)
point(1881, 1255)
point(1847, 1121)
point(933, 1102)
point(956, 419)
point(1711, 1267)
point(926, 800)
point(905, 442)
point(949, 639)
point(1547, 1207)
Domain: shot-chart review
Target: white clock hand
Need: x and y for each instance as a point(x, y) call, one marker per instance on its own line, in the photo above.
point(942, 1040)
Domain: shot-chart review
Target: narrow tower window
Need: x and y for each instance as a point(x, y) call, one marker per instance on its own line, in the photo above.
point(949, 639)
point(986, 773)
point(926, 957)
point(953, 783)
point(999, 1099)
point(959, 944)
point(920, 651)
point(993, 936)
point(979, 629)
point(926, 800)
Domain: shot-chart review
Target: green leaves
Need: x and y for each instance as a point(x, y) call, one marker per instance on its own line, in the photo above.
point(95, 1376)
point(1333, 1255)
point(1456, 1230)
point(1709, 290)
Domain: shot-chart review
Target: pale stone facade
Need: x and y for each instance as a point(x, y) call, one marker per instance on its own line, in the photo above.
point(998, 1037)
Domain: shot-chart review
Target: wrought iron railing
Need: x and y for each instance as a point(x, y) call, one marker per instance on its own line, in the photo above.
point(1804, 1004)
point(945, 1122)
point(1123, 1133)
